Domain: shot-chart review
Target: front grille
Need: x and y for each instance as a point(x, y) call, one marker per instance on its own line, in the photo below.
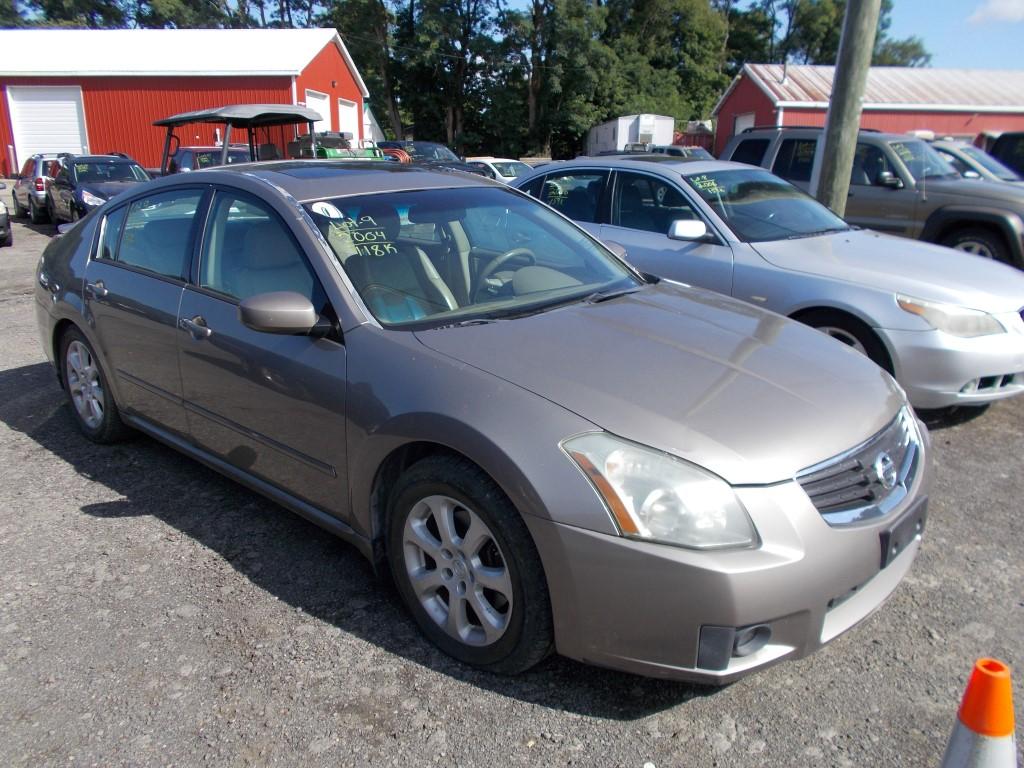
point(867, 481)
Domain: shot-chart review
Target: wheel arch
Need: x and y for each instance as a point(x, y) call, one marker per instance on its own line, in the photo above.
point(803, 314)
point(1008, 226)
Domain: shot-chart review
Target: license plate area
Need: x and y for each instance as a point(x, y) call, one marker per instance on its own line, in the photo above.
point(903, 532)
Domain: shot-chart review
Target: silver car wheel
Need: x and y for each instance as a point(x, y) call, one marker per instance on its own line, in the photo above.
point(975, 248)
point(457, 570)
point(84, 384)
point(843, 335)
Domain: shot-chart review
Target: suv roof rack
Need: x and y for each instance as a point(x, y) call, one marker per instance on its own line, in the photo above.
point(797, 128)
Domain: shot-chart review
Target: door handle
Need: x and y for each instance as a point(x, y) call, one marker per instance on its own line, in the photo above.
point(96, 290)
point(197, 327)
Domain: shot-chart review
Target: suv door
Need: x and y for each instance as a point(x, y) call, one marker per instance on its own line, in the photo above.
point(133, 286)
point(271, 405)
point(872, 203)
point(643, 207)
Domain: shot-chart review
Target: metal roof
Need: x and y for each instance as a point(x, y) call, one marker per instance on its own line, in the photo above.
point(246, 115)
point(165, 52)
point(892, 88)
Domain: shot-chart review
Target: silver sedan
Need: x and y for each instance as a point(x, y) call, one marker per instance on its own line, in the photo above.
point(947, 325)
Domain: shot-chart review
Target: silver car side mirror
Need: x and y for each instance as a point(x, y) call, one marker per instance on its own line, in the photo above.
point(971, 175)
point(617, 248)
point(278, 312)
point(687, 229)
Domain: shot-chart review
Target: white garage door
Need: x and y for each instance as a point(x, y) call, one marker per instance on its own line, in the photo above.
point(348, 119)
point(321, 102)
point(47, 118)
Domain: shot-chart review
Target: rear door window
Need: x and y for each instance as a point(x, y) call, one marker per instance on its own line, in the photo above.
point(795, 159)
point(750, 151)
point(158, 232)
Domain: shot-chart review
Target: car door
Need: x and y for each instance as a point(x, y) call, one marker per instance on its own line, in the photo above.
point(271, 405)
point(871, 202)
point(132, 291)
point(643, 207)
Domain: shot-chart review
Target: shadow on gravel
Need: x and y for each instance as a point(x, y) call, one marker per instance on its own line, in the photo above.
point(943, 418)
point(292, 559)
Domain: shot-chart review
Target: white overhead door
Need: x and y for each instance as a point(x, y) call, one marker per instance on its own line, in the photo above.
point(348, 119)
point(321, 102)
point(47, 118)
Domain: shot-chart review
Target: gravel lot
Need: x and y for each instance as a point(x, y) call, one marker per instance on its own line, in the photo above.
point(154, 613)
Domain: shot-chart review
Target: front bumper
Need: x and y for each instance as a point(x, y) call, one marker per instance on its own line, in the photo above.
point(640, 607)
point(938, 370)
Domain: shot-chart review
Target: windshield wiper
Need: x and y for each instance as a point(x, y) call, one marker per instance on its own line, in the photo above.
point(598, 296)
point(817, 232)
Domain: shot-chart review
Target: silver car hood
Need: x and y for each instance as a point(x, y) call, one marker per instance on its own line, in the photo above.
point(746, 393)
point(900, 265)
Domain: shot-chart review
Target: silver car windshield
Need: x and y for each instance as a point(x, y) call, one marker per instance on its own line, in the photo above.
point(759, 206)
point(985, 160)
point(511, 170)
point(447, 256)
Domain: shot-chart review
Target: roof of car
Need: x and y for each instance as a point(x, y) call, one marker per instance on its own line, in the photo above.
point(318, 179)
point(685, 166)
point(788, 130)
point(100, 158)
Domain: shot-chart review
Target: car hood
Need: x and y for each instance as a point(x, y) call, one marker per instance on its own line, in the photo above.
point(900, 265)
point(109, 189)
point(745, 393)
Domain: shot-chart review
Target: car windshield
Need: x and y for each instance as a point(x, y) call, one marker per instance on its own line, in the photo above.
point(511, 169)
point(989, 163)
point(923, 161)
point(759, 206)
point(428, 150)
point(446, 256)
point(206, 158)
point(101, 172)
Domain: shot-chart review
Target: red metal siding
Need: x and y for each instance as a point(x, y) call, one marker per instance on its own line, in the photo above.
point(746, 97)
point(119, 111)
point(326, 68)
point(959, 124)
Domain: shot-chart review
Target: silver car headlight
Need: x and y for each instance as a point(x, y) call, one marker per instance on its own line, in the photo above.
point(657, 497)
point(88, 198)
point(951, 319)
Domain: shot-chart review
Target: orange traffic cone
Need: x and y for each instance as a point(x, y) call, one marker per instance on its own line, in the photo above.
point(983, 734)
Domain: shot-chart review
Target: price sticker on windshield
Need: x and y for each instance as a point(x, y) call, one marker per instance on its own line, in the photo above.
point(705, 183)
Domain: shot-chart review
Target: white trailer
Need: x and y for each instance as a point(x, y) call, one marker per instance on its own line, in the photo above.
point(614, 135)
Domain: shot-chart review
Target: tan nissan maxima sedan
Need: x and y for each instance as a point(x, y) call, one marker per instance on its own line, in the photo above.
point(547, 450)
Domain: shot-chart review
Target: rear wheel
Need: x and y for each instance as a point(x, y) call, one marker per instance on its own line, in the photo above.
point(850, 331)
point(466, 567)
point(85, 383)
point(978, 241)
point(35, 213)
point(16, 210)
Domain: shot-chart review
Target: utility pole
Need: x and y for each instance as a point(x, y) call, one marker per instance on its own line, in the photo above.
point(843, 120)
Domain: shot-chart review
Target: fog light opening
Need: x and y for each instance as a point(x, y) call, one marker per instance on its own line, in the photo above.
point(751, 639)
point(970, 386)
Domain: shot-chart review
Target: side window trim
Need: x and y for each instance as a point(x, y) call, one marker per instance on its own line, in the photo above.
point(101, 232)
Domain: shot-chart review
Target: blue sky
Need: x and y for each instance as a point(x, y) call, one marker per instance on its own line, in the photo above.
point(979, 34)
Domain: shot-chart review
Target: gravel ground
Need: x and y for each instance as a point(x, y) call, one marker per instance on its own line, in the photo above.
point(154, 613)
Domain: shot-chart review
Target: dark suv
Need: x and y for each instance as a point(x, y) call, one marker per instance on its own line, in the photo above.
point(899, 185)
point(83, 182)
point(29, 193)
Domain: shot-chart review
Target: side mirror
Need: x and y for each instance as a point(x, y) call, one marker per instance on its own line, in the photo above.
point(617, 248)
point(278, 312)
point(687, 229)
point(888, 179)
point(971, 175)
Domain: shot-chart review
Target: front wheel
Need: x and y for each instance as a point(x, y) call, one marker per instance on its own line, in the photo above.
point(466, 566)
point(86, 386)
point(852, 332)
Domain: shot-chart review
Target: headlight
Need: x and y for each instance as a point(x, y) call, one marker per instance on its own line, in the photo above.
point(658, 497)
point(88, 198)
point(951, 319)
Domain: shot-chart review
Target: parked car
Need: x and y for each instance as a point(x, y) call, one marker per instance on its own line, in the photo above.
point(900, 186)
point(1008, 148)
point(499, 168)
point(430, 154)
point(84, 182)
point(972, 162)
point(464, 385)
point(186, 159)
point(6, 233)
point(946, 324)
point(28, 197)
point(678, 150)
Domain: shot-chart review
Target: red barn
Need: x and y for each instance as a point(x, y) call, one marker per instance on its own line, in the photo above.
point(950, 102)
point(79, 90)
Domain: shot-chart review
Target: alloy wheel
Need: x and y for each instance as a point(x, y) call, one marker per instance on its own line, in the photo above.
point(976, 248)
point(843, 335)
point(84, 384)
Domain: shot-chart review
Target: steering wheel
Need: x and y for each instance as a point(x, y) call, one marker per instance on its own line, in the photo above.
point(500, 261)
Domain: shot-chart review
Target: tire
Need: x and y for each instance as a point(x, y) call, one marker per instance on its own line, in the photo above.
point(16, 210)
point(8, 241)
point(451, 605)
point(852, 332)
point(85, 384)
point(35, 215)
point(978, 242)
point(51, 213)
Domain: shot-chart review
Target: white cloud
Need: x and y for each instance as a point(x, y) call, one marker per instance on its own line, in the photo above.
point(998, 10)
